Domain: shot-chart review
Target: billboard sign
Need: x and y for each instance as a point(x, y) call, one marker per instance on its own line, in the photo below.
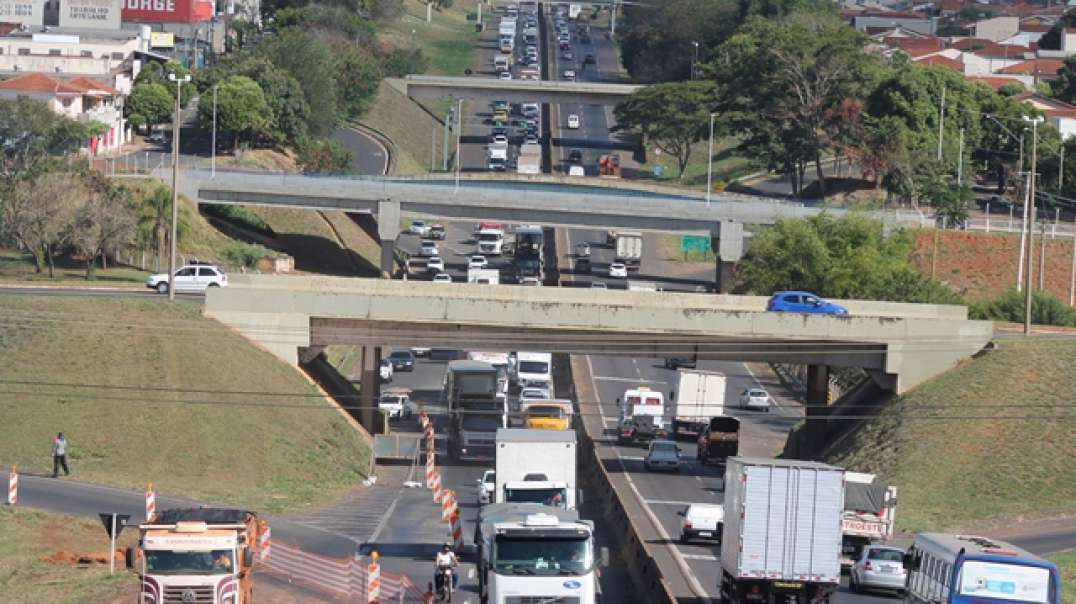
point(162, 39)
point(167, 11)
point(91, 14)
point(22, 12)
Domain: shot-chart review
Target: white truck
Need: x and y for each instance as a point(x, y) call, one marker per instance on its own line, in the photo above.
point(700, 396)
point(642, 401)
point(532, 369)
point(530, 159)
point(536, 466)
point(629, 248)
point(574, 10)
point(870, 509)
point(484, 276)
point(489, 242)
point(498, 151)
point(782, 534)
point(534, 553)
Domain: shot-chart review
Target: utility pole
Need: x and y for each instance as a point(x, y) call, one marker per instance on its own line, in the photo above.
point(1072, 275)
point(1023, 238)
point(459, 135)
point(941, 123)
point(960, 161)
point(213, 151)
point(710, 163)
point(1042, 255)
point(175, 184)
point(444, 141)
point(1031, 218)
point(1061, 169)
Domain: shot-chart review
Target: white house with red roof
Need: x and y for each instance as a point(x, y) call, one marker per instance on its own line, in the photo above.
point(83, 99)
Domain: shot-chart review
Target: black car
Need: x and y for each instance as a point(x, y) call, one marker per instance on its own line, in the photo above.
point(676, 363)
point(575, 156)
point(402, 360)
point(588, 59)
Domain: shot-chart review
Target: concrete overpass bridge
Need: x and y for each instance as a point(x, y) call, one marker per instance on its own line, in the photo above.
point(513, 91)
point(900, 345)
point(518, 202)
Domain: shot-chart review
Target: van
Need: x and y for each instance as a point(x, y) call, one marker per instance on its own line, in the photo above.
point(534, 369)
point(576, 171)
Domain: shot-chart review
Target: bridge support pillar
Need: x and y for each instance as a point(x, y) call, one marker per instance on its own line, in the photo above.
point(370, 388)
point(816, 400)
point(388, 228)
point(726, 240)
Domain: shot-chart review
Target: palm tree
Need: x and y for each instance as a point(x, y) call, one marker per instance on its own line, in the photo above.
point(154, 216)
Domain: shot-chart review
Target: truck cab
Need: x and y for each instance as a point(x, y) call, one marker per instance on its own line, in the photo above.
point(490, 242)
point(642, 401)
point(534, 369)
point(196, 555)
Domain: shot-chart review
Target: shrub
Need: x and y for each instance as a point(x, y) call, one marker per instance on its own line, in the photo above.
point(1009, 306)
point(245, 254)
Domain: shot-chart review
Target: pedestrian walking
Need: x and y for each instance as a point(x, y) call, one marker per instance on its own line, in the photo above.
point(59, 455)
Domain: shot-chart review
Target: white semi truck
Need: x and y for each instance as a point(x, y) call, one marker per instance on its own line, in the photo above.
point(870, 509)
point(701, 395)
point(629, 248)
point(536, 466)
point(782, 534)
point(535, 553)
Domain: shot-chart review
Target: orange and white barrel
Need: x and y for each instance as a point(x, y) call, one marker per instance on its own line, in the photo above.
point(151, 502)
point(457, 532)
point(373, 579)
point(265, 541)
point(13, 487)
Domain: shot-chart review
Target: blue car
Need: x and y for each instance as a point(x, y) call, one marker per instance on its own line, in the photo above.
point(803, 302)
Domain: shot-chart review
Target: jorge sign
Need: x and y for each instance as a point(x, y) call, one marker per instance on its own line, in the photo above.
point(167, 11)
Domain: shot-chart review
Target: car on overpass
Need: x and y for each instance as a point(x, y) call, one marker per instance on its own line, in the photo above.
point(803, 302)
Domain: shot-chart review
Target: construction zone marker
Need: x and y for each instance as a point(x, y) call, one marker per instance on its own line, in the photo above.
point(264, 543)
point(448, 505)
point(457, 532)
point(151, 502)
point(436, 487)
point(373, 579)
point(13, 487)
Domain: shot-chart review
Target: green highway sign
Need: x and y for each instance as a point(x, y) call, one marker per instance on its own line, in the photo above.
point(695, 243)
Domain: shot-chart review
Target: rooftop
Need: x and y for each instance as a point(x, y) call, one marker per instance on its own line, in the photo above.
point(1036, 66)
point(941, 61)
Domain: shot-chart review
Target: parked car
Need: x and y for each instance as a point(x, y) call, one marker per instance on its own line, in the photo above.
point(702, 521)
point(803, 302)
point(662, 455)
point(419, 227)
point(428, 248)
point(435, 264)
point(192, 278)
point(477, 261)
point(155, 137)
point(755, 398)
point(486, 487)
point(386, 370)
point(402, 360)
point(442, 278)
point(618, 270)
point(398, 406)
point(573, 119)
point(879, 567)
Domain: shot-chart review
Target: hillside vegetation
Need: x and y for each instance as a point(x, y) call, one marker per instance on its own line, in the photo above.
point(151, 391)
point(974, 464)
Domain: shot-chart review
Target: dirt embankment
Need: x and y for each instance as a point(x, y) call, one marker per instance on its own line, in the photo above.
point(982, 265)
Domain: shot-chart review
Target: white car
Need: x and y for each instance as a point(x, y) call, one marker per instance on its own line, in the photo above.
point(477, 262)
point(702, 520)
point(396, 405)
point(428, 249)
point(191, 278)
point(573, 119)
point(386, 370)
point(535, 394)
point(435, 264)
point(442, 278)
point(755, 398)
point(569, 74)
point(531, 282)
point(486, 485)
point(499, 139)
point(506, 75)
point(419, 227)
point(618, 270)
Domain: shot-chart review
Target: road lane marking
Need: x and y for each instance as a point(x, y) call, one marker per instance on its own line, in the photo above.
point(666, 502)
point(706, 557)
point(685, 570)
point(610, 378)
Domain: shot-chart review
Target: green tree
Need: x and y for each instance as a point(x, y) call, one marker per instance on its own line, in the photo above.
point(792, 80)
point(358, 77)
point(153, 215)
point(290, 111)
point(104, 221)
point(672, 116)
point(1009, 307)
point(1064, 87)
point(321, 18)
point(150, 104)
point(1051, 40)
point(399, 62)
point(157, 73)
point(310, 62)
point(242, 111)
point(325, 156)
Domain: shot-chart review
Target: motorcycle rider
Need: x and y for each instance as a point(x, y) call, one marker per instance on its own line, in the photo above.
point(446, 558)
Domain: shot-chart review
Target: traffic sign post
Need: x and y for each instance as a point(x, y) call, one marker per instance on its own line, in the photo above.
point(114, 524)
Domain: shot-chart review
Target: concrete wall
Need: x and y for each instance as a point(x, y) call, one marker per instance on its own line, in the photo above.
point(276, 310)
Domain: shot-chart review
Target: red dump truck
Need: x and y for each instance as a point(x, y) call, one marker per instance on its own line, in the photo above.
point(199, 555)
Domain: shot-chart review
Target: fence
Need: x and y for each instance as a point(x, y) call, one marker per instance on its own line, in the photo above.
point(343, 578)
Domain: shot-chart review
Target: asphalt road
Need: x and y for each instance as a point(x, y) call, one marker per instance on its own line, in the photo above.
point(367, 155)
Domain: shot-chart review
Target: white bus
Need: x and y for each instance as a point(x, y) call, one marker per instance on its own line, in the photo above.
point(964, 569)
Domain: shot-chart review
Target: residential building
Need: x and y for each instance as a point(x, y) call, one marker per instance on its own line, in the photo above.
point(83, 99)
point(1040, 69)
point(111, 54)
point(916, 22)
point(1060, 115)
point(996, 29)
point(23, 12)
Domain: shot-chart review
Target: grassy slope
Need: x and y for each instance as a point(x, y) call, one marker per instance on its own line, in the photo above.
point(269, 457)
point(727, 165)
point(962, 474)
point(1067, 563)
point(28, 536)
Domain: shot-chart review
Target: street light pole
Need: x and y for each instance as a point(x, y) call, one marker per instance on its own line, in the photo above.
point(213, 150)
point(1031, 219)
point(694, 60)
point(459, 135)
point(710, 163)
point(175, 184)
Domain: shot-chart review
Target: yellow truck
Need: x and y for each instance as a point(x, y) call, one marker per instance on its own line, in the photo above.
point(200, 555)
point(552, 414)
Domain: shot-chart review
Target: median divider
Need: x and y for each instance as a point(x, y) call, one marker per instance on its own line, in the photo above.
point(650, 585)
